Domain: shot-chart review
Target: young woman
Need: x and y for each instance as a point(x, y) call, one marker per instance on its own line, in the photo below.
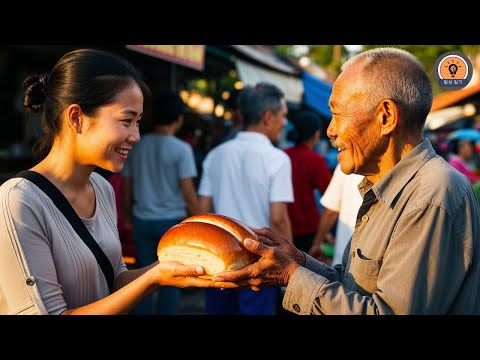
point(91, 103)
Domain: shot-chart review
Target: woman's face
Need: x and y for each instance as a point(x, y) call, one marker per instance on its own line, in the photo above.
point(466, 149)
point(111, 133)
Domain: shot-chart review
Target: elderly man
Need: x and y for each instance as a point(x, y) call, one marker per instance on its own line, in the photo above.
point(415, 246)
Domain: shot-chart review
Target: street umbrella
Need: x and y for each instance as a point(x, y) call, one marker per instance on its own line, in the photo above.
point(465, 134)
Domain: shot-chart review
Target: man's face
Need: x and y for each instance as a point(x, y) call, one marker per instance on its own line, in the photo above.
point(279, 122)
point(352, 130)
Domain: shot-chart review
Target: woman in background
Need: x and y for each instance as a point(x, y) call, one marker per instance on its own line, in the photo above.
point(463, 152)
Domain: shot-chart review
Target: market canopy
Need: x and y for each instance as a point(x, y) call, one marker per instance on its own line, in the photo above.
point(317, 94)
point(251, 74)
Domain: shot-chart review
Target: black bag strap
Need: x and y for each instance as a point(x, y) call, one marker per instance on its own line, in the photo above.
point(67, 210)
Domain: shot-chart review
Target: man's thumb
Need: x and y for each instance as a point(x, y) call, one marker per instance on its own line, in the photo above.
point(253, 246)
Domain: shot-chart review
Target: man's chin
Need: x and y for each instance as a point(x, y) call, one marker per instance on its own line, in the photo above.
point(347, 169)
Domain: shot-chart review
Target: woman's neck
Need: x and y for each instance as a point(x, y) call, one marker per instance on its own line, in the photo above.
point(64, 172)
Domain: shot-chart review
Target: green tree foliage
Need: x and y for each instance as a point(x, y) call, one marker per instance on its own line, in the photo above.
point(285, 50)
point(320, 54)
point(331, 57)
point(428, 54)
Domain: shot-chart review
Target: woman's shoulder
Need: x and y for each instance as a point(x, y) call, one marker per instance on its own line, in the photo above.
point(19, 188)
point(19, 194)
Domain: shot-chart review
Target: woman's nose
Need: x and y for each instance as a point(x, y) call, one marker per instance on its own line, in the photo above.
point(134, 137)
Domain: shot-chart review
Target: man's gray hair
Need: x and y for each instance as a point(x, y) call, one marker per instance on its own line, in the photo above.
point(255, 100)
point(396, 74)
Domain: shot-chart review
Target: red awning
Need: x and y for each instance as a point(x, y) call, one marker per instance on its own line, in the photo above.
point(188, 55)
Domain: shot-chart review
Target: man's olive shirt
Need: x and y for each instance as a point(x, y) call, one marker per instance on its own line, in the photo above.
point(414, 250)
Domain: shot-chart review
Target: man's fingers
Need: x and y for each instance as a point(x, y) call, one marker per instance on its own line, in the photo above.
point(263, 232)
point(233, 276)
point(225, 285)
point(266, 240)
point(269, 234)
point(256, 247)
point(236, 285)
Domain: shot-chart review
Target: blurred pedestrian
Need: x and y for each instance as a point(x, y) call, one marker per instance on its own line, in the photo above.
point(309, 174)
point(91, 103)
point(415, 246)
point(340, 202)
point(158, 191)
point(462, 151)
point(249, 179)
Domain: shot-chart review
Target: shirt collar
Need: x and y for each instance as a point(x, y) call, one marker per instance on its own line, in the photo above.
point(253, 136)
point(387, 189)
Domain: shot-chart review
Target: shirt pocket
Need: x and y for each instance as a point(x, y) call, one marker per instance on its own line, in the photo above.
point(364, 273)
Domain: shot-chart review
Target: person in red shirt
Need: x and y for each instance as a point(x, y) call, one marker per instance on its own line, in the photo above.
point(309, 173)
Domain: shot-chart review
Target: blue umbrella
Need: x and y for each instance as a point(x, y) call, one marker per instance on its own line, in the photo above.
point(465, 134)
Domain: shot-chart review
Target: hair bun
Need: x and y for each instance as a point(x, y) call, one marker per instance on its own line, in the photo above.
point(35, 88)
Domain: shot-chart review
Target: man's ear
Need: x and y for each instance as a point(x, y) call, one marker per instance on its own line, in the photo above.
point(74, 118)
point(267, 117)
point(387, 112)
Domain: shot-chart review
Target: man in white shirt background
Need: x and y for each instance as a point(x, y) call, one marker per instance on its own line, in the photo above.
point(249, 179)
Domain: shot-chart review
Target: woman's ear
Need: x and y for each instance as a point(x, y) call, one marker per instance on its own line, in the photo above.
point(74, 122)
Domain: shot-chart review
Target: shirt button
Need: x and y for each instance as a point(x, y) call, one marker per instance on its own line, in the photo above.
point(30, 281)
point(365, 218)
point(296, 308)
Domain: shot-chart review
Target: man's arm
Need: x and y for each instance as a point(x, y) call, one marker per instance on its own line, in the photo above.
point(204, 204)
point(325, 225)
point(279, 219)
point(420, 273)
point(190, 195)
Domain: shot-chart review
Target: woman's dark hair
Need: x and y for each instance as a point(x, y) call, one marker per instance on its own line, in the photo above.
point(454, 145)
point(167, 107)
point(305, 124)
point(87, 77)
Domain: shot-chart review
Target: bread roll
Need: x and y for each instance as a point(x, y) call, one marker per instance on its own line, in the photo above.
point(212, 241)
